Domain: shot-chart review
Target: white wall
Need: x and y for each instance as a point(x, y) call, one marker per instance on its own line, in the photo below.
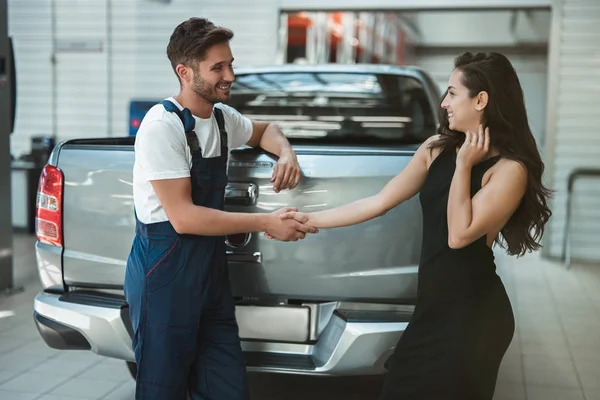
point(254, 24)
point(121, 64)
point(408, 4)
point(93, 88)
point(33, 50)
point(81, 67)
point(490, 28)
point(573, 121)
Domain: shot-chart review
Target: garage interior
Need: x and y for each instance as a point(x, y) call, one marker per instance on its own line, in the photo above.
point(554, 46)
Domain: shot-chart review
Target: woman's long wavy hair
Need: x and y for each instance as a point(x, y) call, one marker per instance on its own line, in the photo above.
point(511, 135)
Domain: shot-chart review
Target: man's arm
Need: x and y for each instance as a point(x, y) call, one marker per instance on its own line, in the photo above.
point(286, 174)
point(161, 157)
point(175, 196)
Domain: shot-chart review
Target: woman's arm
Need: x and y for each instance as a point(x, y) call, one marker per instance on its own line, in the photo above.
point(402, 187)
point(469, 219)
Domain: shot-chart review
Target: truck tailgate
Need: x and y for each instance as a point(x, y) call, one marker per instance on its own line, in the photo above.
point(374, 261)
point(98, 218)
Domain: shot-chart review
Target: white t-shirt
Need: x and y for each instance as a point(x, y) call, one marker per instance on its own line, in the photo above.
point(161, 151)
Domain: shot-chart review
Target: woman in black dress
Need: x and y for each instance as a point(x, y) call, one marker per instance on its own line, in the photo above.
point(478, 186)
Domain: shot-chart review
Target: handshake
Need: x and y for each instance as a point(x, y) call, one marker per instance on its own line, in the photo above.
point(287, 224)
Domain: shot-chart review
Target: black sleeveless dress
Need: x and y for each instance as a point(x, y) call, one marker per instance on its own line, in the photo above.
point(463, 321)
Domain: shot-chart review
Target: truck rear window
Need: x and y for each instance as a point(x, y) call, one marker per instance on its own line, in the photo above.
point(333, 107)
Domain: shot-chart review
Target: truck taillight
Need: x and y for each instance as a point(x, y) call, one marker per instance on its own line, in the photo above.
point(48, 212)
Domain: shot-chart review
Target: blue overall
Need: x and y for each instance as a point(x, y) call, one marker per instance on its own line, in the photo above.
point(180, 302)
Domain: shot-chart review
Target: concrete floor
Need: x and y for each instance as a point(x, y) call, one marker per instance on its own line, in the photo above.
point(555, 354)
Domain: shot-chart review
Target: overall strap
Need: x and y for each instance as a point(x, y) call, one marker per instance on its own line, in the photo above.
point(221, 122)
point(188, 121)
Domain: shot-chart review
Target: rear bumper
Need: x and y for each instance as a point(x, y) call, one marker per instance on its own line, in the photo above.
point(344, 348)
point(351, 343)
point(102, 327)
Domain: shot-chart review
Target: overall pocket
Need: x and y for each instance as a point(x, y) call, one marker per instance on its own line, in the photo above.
point(164, 261)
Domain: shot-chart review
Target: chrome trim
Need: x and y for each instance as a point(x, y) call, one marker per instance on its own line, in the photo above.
point(407, 308)
point(343, 349)
point(320, 314)
point(255, 257)
point(303, 149)
point(241, 193)
point(102, 327)
point(278, 347)
point(286, 323)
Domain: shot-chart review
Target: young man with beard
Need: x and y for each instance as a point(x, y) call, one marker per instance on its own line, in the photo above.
point(185, 333)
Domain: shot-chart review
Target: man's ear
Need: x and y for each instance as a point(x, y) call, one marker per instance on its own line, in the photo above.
point(481, 101)
point(185, 73)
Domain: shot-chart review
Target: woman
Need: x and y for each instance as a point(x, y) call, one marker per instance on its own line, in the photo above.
point(478, 186)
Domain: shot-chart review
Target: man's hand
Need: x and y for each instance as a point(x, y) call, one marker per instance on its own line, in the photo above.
point(295, 214)
point(291, 214)
point(289, 228)
point(286, 173)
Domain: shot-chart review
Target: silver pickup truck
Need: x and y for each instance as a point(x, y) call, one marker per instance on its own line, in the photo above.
point(332, 304)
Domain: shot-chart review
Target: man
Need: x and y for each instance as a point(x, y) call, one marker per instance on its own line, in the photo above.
point(181, 306)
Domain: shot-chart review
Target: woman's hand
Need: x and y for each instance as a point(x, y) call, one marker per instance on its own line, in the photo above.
point(475, 148)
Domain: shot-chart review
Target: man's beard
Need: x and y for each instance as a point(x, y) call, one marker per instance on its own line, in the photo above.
point(207, 91)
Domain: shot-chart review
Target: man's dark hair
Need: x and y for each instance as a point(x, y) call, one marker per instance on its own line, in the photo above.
point(191, 40)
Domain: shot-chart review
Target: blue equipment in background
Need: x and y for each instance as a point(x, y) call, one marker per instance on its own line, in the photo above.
point(137, 111)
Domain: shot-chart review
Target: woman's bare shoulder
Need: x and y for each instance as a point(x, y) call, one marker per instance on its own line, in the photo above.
point(506, 169)
point(429, 153)
point(508, 165)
